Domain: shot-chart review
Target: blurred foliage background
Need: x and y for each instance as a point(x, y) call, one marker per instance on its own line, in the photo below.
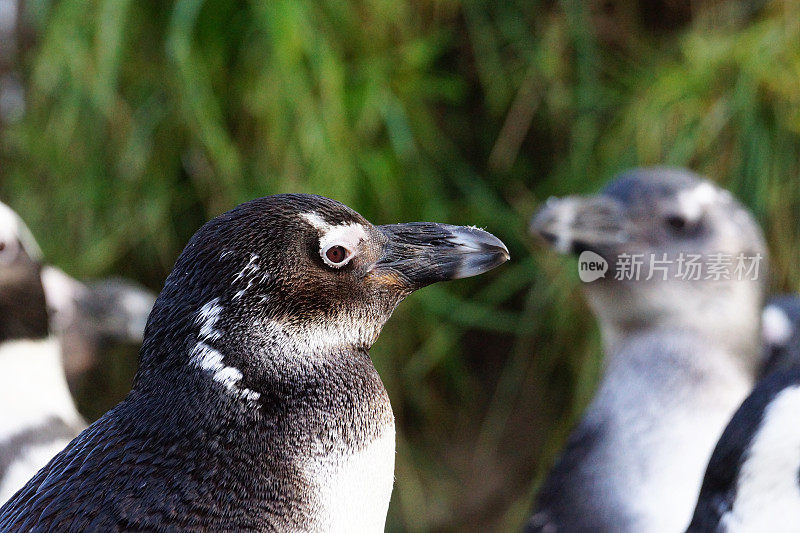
point(127, 124)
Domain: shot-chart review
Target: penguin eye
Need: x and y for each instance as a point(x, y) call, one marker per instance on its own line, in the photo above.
point(336, 255)
point(7, 252)
point(677, 222)
point(682, 225)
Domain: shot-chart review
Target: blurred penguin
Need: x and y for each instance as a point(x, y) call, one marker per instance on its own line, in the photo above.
point(90, 317)
point(681, 346)
point(752, 482)
point(51, 327)
point(753, 479)
point(780, 332)
point(38, 416)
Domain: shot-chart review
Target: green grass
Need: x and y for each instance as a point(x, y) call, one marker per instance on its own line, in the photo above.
point(146, 118)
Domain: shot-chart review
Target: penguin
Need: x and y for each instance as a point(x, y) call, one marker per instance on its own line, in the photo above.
point(44, 368)
point(256, 406)
point(90, 317)
point(38, 417)
point(752, 482)
point(780, 333)
point(86, 317)
point(681, 346)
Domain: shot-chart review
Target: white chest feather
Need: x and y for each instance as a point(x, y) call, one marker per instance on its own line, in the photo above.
point(352, 492)
point(33, 387)
point(768, 488)
point(663, 490)
point(663, 425)
point(33, 390)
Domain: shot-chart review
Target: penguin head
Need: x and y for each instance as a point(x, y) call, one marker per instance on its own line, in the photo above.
point(678, 249)
point(298, 277)
point(23, 311)
point(780, 333)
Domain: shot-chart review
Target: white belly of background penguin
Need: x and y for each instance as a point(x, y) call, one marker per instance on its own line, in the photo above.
point(256, 406)
point(752, 482)
point(39, 417)
point(768, 495)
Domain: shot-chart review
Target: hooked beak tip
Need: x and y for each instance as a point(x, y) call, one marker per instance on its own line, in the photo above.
point(480, 250)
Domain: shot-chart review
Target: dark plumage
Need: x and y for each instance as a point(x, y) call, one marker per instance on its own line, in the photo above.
point(570, 477)
point(256, 406)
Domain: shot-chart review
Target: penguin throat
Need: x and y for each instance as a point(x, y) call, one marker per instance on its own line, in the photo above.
point(312, 340)
point(242, 356)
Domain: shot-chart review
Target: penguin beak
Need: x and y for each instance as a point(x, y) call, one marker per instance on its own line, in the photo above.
point(421, 253)
point(576, 223)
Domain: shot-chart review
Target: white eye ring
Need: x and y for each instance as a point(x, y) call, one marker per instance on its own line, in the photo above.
point(331, 252)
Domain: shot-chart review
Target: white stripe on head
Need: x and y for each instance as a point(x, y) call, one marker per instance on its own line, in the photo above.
point(207, 319)
point(564, 222)
point(253, 272)
point(694, 201)
point(776, 328)
point(12, 228)
point(347, 235)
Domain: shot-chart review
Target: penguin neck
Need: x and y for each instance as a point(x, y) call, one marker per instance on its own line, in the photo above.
point(34, 385)
point(739, 348)
point(23, 308)
point(314, 435)
point(287, 343)
point(241, 364)
point(272, 373)
point(724, 315)
point(326, 366)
